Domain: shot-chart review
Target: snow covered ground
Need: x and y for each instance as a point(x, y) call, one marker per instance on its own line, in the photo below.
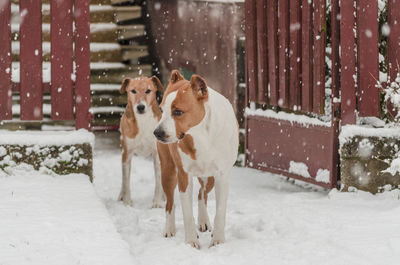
point(269, 220)
point(55, 220)
point(60, 220)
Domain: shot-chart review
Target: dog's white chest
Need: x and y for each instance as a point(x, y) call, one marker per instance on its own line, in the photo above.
point(205, 163)
point(144, 143)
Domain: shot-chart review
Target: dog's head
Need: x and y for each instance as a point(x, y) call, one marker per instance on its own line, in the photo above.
point(182, 107)
point(142, 92)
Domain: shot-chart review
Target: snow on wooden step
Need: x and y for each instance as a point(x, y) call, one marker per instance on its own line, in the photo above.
point(107, 110)
point(94, 47)
point(105, 87)
point(47, 69)
point(55, 220)
point(46, 8)
point(94, 27)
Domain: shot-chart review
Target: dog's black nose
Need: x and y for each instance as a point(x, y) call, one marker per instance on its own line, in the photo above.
point(159, 133)
point(140, 108)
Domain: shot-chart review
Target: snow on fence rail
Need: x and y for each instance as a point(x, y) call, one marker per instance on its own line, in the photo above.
point(70, 88)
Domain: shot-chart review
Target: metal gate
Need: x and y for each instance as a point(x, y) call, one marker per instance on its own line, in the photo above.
point(295, 92)
point(67, 77)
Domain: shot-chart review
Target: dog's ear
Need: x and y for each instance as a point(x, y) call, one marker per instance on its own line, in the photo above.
point(176, 76)
point(157, 84)
point(159, 87)
point(199, 86)
point(125, 83)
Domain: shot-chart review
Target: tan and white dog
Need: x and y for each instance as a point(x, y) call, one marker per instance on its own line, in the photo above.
point(198, 137)
point(138, 122)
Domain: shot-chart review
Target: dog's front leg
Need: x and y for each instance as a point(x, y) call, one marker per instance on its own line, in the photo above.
point(185, 184)
point(221, 196)
point(158, 198)
point(203, 221)
point(125, 194)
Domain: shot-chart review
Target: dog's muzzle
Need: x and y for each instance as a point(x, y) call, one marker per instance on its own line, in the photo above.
point(159, 134)
point(140, 108)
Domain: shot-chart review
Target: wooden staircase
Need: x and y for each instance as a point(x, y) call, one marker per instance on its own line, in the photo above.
point(118, 49)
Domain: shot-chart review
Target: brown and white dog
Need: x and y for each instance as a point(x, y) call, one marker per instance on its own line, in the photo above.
point(138, 122)
point(198, 137)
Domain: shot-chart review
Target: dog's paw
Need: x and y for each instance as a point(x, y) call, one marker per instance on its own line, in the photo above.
point(125, 199)
point(169, 234)
point(158, 204)
point(204, 227)
point(216, 239)
point(214, 242)
point(194, 243)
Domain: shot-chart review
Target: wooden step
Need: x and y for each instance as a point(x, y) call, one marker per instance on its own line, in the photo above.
point(107, 120)
point(99, 32)
point(102, 100)
point(128, 32)
point(108, 100)
point(126, 13)
point(92, 2)
point(98, 13)
point(133, 52)
point(99, 52)
point(100, 89)
point(106, 73)
point(119, 2)
point(97, 2)
point(117, 72)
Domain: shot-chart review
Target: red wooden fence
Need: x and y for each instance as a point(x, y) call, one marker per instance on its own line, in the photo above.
point(286, 51)
point(360, 57)
point(69, 87)
point(285, 39)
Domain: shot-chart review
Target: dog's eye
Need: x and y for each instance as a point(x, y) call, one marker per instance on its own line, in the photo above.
point(148, 91)
point(177, 112)
point(133, 91)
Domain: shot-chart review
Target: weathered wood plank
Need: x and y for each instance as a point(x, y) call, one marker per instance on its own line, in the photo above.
point(273, 65)
point(5, 61)
point(348, 63)
point(306, 57)
point(368, 60)
point(31, 60)
point(61, 60)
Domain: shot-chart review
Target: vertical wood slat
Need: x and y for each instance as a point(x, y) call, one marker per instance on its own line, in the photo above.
point(335, 117)
point(394, 38)
point(273, 66)
point(61, 60)
point(368, 64)
point(283, 49)
point(335, 37)
point(294, 54)
point(319, 56)
point(262, 53)
point(5, 61)
point(31, 97)
point(348, 63)
point(82, 60)
point(306, 57)
point(251, 49)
